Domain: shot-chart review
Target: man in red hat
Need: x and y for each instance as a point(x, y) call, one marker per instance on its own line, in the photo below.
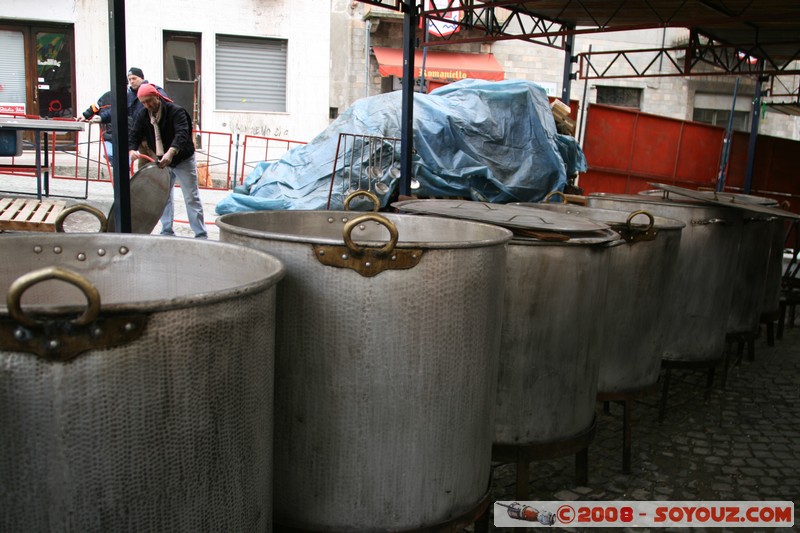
point(167, 129)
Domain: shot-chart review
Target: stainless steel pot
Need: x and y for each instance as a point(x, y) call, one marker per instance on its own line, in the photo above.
point(386, 364)
point(136, 377)
point(640, 282)
point(705, 272)
point(556, 277)
point(752, 261)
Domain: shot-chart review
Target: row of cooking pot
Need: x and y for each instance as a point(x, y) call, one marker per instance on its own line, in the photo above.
point(404, 347)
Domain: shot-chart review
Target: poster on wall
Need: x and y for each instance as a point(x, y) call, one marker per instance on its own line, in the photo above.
point(440, 28)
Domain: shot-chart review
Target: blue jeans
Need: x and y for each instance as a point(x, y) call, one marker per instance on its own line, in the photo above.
point(185, 173)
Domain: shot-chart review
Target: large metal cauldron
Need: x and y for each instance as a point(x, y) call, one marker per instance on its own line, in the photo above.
point(753, 258)
point(386, 365)
point(640, 281)
point(556, 277)
point(697, 309)
point(136, 379)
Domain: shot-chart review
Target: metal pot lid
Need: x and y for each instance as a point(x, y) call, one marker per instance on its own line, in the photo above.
point(727, 200)
point(523, 221)
point(724, 196)
point(612, 217)
point(149, 194)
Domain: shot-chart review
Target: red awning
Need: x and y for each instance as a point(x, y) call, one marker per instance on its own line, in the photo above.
point(440, 66)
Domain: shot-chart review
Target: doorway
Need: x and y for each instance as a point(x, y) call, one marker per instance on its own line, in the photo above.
point(182, 72)
point(38, 72)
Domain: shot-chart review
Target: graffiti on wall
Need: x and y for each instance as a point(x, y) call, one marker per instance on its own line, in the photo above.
point(256, 126)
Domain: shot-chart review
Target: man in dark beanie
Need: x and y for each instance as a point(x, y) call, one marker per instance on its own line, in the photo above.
point(136, 80)
point(167, 129)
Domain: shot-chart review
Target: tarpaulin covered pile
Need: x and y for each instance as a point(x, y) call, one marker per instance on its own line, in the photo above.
point(490, 141)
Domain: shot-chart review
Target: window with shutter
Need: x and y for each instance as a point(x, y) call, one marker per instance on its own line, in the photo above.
point(250, 74)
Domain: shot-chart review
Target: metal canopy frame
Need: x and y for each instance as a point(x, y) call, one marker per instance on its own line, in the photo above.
point(756, 38)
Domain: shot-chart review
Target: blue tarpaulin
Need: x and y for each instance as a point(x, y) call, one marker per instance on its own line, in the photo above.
point(490, 141)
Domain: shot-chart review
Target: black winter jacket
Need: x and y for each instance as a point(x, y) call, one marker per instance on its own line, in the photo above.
point(175, 127)
point(102, 108)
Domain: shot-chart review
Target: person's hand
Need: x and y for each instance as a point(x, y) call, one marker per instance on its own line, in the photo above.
point(95, 118)
point(133, 155)
point(166, 159)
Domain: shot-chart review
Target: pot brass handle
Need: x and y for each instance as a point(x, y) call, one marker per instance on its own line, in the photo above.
point(81, 207)
point(641, 212)
point(24, 282)
point(375, 201)
point(555, 193)
point(385, 222)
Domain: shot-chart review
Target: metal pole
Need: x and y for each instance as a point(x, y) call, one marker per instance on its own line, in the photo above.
point(119, 115)
point(726, 149)
point(407, 117)
point(566, 83)
point(756, 120)
point(235, 162)
point(366, 57)
point(582, 125)
point(88, 156)
point(424, 56)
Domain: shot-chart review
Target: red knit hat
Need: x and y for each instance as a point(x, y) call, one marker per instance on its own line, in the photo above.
point(149, 89)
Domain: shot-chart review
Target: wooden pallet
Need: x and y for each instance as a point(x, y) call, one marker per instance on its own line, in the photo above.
point(21, 214)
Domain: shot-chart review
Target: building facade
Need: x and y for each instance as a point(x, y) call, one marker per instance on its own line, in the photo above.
point(708, 99)
point(242, 66)
point(286, 68)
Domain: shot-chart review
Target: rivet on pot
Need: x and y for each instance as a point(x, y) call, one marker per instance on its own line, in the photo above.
point(57, 249)
point(344, 219)
point(330, 220)
point(81, 256)
point(97, 332)
point(394, 258)
point(123, 250)
point(367, 264)
point(53, 344)
point(344, 256)
point(101, 252)
point(37, 249)
point(362, 227)
point(322, 252)
point(130, 326)
point(20, 334)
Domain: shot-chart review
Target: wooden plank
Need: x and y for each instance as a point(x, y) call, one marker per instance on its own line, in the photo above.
point(52, 216)
point(25, 213)
point(12, 210)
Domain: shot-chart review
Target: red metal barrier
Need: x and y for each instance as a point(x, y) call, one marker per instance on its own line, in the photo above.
point(625, 149)
point(272, 149)
point(213, 149)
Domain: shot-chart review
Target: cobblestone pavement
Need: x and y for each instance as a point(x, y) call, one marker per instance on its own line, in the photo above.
point(743, 443)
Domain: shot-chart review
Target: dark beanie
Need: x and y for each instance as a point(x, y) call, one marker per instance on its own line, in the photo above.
point(136, 72)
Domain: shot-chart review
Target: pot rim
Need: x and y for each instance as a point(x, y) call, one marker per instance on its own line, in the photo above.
point(496, 235)
point(255, 286)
